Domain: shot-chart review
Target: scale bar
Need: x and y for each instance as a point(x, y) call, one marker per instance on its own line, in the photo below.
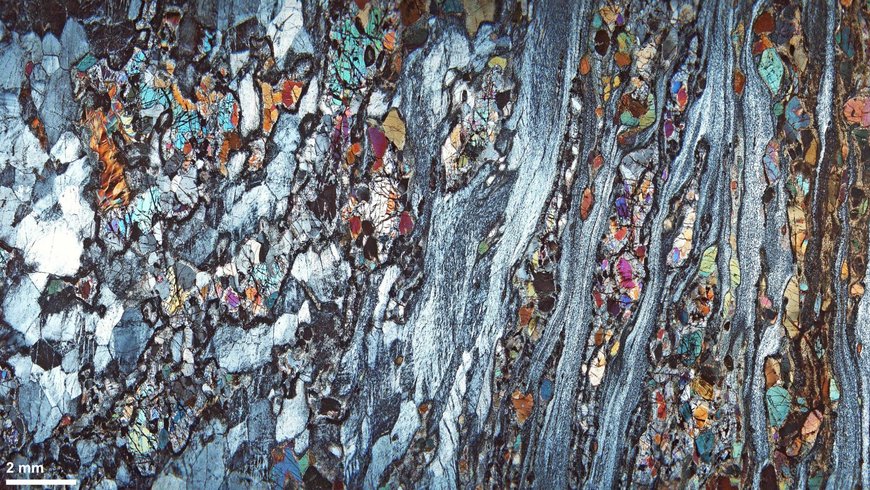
point(43, 482)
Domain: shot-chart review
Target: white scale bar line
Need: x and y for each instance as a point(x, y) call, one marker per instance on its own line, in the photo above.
point(43, 482)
